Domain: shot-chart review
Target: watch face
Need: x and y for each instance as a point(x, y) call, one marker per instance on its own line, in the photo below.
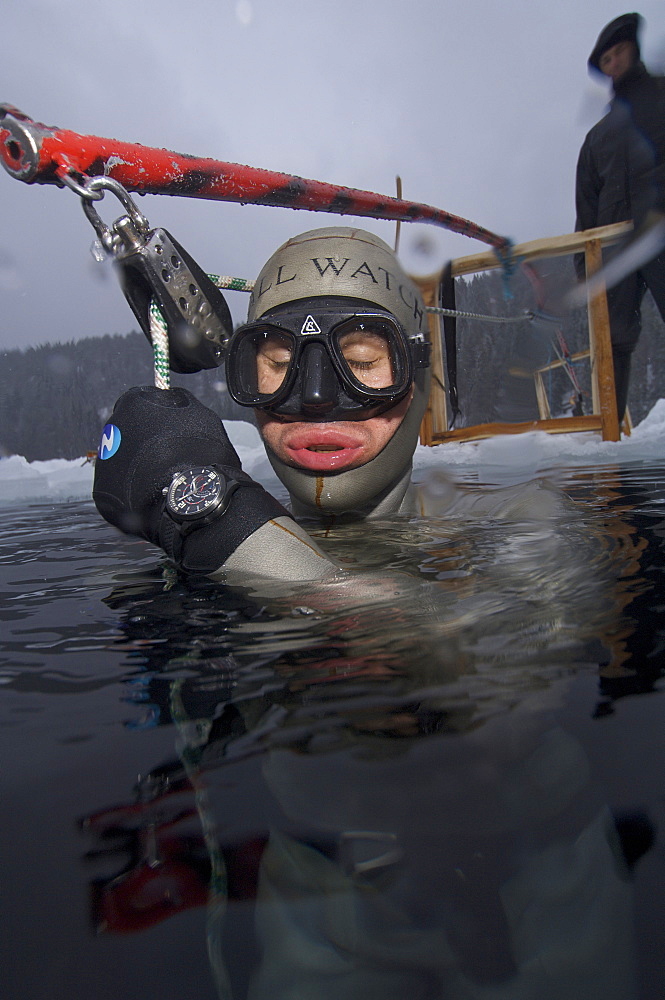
point(195, 493)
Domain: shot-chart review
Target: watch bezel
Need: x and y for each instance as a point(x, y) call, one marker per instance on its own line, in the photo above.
point(212, 507)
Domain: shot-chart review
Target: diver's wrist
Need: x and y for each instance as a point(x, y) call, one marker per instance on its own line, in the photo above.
point(204, 546)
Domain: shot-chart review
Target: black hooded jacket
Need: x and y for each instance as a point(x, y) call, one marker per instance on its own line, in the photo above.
point(621, 166)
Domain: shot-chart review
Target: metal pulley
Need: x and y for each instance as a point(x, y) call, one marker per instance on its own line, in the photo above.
point(197, 316)
point(153, 266)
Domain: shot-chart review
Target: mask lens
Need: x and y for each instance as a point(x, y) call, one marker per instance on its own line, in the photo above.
point(371, 353)
point(259, 364)
point(273, 357)
point(355, 362)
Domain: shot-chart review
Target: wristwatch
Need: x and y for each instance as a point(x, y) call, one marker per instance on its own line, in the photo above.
point(195, 497)
point(198, 496)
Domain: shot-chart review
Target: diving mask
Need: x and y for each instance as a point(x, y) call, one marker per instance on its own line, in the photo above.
point(324, 359)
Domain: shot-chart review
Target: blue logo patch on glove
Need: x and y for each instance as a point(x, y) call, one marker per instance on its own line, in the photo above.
point(110, 441)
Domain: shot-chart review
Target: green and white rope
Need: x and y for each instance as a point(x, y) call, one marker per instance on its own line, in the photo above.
point(160, 338)
point(159, 335)
point(235, 284)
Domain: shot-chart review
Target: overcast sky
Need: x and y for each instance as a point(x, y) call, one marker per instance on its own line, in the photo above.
point(479, 105)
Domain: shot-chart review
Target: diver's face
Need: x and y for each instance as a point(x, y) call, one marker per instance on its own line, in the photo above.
point(366, 353)
point(330, 447)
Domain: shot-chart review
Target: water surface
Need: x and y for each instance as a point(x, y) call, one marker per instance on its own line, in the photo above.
point(441, 777)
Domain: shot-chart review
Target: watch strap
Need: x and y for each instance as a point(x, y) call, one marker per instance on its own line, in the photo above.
point(170, 537)
point(202, 547)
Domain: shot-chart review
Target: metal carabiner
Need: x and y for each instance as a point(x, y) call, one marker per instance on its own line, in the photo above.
point(153, 267)
point(93, 189)
point(79, 189)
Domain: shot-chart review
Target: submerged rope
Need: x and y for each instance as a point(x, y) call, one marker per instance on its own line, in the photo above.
point(193, 738)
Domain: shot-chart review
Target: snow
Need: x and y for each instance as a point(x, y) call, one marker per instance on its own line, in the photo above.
point(536, 452)
point(517, 455)
point(57, 479)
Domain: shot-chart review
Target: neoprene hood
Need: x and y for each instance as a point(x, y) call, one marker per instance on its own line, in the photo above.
point(351, 264)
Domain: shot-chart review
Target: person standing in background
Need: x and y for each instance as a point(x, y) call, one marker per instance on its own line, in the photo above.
point(621, 177)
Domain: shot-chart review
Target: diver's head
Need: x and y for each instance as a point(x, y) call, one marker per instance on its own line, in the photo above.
point(334, 358)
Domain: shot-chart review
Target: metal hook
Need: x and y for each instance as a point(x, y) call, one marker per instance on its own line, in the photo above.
point(80, 189)
point(122, 194)
point(93, 190)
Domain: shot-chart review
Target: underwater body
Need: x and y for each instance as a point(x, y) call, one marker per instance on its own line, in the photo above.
point(441, 776)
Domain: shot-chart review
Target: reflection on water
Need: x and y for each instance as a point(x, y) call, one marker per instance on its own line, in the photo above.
point(424, 780)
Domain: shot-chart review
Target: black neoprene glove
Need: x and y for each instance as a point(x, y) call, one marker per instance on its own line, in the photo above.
point(162, 431)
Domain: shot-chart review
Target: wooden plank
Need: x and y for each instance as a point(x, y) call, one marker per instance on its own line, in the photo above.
point(578, 356)
point(556, 425)
point(541, 396)
point(554, 246)
point(436, 415)
point(600, 347)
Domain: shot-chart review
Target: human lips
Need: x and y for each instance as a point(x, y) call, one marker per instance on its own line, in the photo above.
point(323, 448)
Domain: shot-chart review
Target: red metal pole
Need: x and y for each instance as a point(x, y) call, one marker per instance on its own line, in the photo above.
point(41, 154)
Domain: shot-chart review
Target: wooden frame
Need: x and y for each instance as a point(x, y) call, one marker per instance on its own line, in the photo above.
point(604, 417)
point(541, 395)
